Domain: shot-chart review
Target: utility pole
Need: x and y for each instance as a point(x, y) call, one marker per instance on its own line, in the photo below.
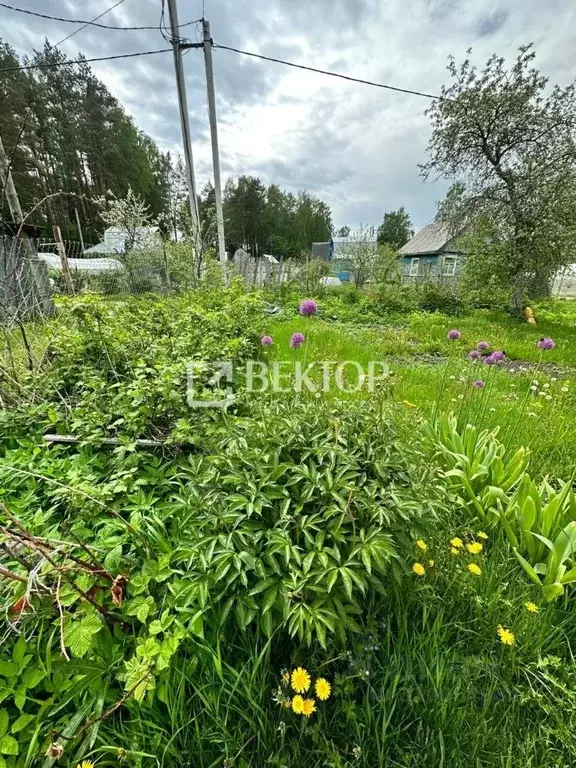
point(185, 123)
point(214, 138)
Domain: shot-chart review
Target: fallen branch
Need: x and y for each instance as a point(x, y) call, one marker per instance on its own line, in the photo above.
point(71, 440)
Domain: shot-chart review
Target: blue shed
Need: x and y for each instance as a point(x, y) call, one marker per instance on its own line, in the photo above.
point(432, 253)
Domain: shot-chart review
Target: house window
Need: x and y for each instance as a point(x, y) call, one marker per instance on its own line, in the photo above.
point(449, 266)
point(414, 267)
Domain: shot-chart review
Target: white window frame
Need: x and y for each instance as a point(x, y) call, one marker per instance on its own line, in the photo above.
point(449, 266)
point(414, 267)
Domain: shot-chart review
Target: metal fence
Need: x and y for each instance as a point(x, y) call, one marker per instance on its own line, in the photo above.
point(25, 289)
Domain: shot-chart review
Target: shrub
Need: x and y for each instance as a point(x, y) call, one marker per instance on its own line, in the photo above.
point(435, 296)
point(300, 518)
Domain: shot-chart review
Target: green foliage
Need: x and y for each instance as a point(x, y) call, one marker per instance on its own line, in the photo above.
point(507, 139)
point(154, 597)
point(269, 220)
point(121, 367)
point(540, 523)
point(478, 466)
point(297, 519)
point(436, 296)
point(396, 229)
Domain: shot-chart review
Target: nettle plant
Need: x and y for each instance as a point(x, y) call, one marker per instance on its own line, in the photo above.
point(298, 520)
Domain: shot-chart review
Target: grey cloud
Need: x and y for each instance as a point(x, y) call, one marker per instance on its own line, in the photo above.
point(490, 23)
point(354, 146)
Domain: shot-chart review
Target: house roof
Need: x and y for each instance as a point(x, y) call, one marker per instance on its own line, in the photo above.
point(432, 238)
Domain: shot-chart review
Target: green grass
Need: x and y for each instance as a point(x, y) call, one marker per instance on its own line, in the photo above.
point(427, 368)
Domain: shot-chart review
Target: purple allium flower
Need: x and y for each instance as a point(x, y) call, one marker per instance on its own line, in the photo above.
point(490, 360)
point(498, 356)
point(479, 384)
point(454, 334)
point(266, 341)
point(297, 340)
point(482, 346)
point(546, 343)
point(308, 307)
point(474, 355)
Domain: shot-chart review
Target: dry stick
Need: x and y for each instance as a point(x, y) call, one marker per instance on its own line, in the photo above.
point(86, 549)
point(43, 546)
point(13, 576)
point(108, 712)
point(48, 544)
point(58, 603)
point(73, 584)
point(72, 440)
point(15, 556)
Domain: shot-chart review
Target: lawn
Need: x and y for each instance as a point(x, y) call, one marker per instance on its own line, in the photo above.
point(427, 368)
point(302, 578)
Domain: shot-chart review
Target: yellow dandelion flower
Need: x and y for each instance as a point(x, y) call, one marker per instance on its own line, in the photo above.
point(454, 551)
point(86, 764)
point(422, 545)
point(456, 542)
point(419, 569)
point(298, 705)
point(286, 677)
point(300, 680)
point(323, 689)
point(531, 607)
point(431, 563)
point(482, 535)
point(475, 569)
point(308, 707)
point(506, 636)
point(475, 548)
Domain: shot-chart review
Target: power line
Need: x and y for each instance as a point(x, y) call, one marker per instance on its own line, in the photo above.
point(84, 61)
point(86, 23)
point(332, 74)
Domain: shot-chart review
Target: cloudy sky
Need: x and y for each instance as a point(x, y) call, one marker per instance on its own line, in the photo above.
point(355, 146)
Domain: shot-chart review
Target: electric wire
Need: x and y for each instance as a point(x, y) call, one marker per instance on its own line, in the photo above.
point(88, 23)
point(332, 74)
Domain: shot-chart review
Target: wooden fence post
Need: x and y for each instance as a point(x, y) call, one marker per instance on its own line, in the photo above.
point(66, 275)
